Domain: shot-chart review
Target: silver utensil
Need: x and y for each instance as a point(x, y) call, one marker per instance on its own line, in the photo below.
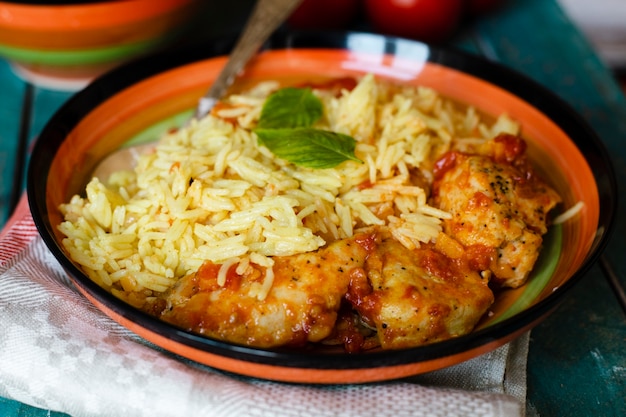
point(266, 17)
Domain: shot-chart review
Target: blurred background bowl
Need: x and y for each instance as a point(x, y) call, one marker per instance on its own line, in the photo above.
point(65, 44)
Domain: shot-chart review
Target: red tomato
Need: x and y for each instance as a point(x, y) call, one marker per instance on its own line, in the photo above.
point(426, 20)
point(324, 14)
point(477, 7)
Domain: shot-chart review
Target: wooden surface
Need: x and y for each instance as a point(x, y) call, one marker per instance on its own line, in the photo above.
point(577, 359)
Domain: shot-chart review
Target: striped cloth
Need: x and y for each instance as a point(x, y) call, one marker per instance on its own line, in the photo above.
point(58, 352)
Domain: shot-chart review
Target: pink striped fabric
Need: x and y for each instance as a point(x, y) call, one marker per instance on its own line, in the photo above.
point(17, 233)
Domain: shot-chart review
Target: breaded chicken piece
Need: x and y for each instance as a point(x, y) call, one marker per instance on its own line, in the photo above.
point(499, 207)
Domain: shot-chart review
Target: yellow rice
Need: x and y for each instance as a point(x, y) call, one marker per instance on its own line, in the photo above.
point(210, 193)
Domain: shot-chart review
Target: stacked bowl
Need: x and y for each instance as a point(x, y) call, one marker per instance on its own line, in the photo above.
point(65, 44)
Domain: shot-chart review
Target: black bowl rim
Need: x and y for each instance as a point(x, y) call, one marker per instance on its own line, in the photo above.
point(518, 84)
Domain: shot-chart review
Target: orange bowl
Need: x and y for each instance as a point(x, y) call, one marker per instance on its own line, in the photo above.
point(142, 99)
point(65, 44)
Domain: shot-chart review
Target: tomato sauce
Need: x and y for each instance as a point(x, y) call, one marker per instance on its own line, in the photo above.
point(207, 278)
point(220, 105)
point(335, 85)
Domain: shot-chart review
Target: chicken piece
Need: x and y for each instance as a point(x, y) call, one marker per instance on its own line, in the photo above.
point(301, 306)
point(420, 296)
point(416, 297)
point(499, 207)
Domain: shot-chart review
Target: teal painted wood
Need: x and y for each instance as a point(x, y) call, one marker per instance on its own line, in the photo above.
point(11, 96)
point(16, 128)
point(46, 102)
point(10, 408)
point(577, 362)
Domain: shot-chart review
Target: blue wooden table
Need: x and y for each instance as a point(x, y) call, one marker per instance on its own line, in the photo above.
point(577, 358)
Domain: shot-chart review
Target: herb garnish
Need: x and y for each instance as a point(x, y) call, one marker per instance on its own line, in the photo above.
point(285, 129)
point(290, 107)
point(308, 147)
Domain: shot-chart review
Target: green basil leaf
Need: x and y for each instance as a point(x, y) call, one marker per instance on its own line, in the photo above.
point(290, 107)
point(308, 147)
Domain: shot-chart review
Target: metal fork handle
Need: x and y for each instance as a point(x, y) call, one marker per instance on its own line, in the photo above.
point(265, 18)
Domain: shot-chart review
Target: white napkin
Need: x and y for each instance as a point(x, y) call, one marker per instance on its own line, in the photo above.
point(58, 352)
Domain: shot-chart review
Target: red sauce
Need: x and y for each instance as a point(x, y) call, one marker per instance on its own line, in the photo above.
point(446, 163)
point(509, 148)
point(175, 166)
point(220, 105)
point(479, 200)
point(348, 332)
point(438, 264)
point(207, 277)
point(479, 257)
point(361, 295)
point(367, 242)
point(512, 149)
point(365, 185)
point(335, 84)
point(476, 258)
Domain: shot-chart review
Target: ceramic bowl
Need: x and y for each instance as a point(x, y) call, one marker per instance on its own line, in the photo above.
point(139, 100)
point(65, 44)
